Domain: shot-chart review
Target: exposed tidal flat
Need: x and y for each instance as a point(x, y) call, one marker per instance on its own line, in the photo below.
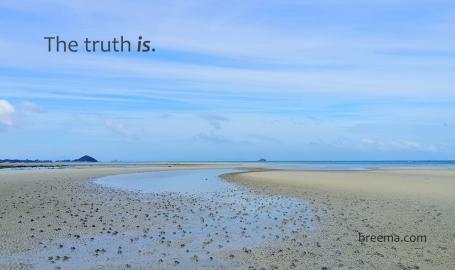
point(72, 218)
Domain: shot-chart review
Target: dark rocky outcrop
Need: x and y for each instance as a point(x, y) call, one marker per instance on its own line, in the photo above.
point(85, 158)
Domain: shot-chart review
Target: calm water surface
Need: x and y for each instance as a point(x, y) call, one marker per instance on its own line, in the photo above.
point(182, 181)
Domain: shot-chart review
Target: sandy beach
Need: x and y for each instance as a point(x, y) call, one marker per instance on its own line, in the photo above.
point(405, 202)
point(60, 219)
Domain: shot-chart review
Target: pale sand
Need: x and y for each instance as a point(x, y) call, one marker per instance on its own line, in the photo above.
point(54, 211)
point(380, 202)
point(415, 183)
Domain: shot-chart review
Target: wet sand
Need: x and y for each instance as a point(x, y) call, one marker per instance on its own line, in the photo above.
point(380, 202)
point(59, 219)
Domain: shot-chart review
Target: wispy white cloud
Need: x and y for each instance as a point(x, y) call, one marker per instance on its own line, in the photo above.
point(263, 138)
point(32, 107)
point(119, 129)
point(397, 145)
point(7, 113)
point(214, 120)
point(213, 138)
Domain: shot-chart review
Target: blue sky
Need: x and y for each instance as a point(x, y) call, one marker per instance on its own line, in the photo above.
point(230, 80)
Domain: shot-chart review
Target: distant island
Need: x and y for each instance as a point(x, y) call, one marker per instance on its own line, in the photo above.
point(85, 158)
point(262, 160)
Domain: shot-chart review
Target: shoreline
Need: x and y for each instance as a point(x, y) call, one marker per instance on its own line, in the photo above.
point(65, 204)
